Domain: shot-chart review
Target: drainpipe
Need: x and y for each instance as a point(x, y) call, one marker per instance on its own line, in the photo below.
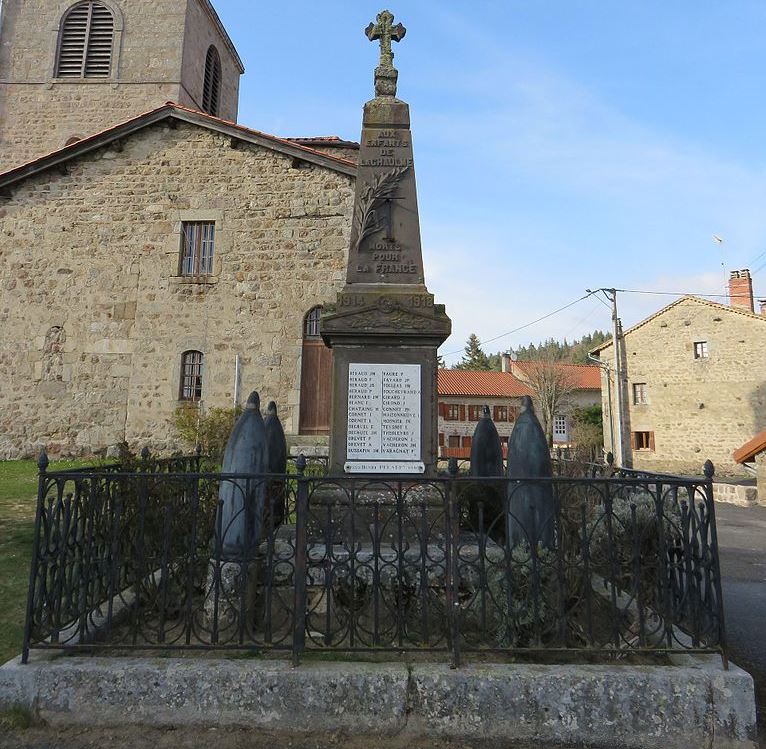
point(237, 384)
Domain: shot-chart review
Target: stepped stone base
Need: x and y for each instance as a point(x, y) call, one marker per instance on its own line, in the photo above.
point(672, 707)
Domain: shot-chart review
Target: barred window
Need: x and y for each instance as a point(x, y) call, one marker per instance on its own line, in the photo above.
point(198, 238)
point(211, 87)
point(86, 41)
point(191, 376)
point(311, 326)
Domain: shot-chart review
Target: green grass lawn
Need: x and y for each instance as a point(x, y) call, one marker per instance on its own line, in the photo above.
point(18, 498)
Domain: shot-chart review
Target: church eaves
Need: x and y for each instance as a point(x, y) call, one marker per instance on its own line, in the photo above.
point(176, 112)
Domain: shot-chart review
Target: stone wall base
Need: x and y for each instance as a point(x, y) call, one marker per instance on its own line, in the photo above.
point(745, 495)
point(697, 704)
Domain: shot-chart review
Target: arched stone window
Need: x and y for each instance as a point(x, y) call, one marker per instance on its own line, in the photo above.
point(191, 376)
point(86, 41)
point(211, 89)
point(316, 378)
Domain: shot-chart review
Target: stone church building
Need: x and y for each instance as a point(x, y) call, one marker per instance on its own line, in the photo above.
point(153, 252)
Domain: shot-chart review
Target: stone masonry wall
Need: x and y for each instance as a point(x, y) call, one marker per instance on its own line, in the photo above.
point(39, 113)
point(200, 34)
point(95, 318)
point(697, 408)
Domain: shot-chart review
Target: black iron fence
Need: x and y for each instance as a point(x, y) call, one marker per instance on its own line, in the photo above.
point(143, 559)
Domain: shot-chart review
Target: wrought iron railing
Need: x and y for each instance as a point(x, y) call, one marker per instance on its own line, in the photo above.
point(143, 560)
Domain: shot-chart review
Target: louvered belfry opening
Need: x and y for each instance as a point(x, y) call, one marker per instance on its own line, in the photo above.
point(211, 90)
point(85, 46)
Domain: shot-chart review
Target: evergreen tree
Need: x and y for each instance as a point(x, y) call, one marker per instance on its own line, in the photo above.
point(474, 357)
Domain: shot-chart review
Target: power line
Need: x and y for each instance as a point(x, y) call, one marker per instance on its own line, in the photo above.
point(521, 327)
point(675, 293)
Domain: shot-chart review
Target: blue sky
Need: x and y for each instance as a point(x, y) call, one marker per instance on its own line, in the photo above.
point(559, 145)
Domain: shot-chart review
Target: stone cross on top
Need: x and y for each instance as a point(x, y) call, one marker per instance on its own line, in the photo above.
point(384, 30)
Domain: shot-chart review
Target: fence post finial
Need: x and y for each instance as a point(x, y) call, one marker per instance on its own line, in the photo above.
point(145, 453)
point(610, 458)
point(42, 461)
point(709, 469)
point(300, 463)
point(198, 449)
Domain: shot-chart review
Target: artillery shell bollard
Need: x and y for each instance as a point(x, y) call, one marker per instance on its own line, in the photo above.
point(233, 571)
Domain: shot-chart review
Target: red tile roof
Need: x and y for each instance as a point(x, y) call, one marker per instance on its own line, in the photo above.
point(179, 111)
point(461, 382)
point(584, 376)
point(751, 448)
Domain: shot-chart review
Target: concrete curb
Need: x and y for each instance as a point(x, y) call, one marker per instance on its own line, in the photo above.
point(600, 706)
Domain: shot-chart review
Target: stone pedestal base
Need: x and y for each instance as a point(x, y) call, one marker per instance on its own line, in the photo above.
point(230, 596)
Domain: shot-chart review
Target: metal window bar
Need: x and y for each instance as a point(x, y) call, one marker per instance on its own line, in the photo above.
point(191, 376)
point(198, 248)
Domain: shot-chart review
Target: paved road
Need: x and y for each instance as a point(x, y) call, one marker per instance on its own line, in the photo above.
point(742, 543)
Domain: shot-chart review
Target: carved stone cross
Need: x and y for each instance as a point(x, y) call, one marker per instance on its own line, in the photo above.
point(385, 30)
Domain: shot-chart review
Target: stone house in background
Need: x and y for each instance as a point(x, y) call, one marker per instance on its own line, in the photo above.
point(580, 383)
point(693, 383)
point(463, 393)
point(166, 256)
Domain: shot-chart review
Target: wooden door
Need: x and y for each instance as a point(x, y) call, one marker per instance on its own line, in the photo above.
point(316, 379)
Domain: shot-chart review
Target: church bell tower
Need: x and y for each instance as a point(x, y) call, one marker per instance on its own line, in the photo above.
point(69, 70)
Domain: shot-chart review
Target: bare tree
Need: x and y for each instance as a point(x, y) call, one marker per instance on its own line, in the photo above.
point(552, 383)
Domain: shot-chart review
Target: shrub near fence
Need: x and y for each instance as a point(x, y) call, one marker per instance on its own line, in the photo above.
point(135, 559)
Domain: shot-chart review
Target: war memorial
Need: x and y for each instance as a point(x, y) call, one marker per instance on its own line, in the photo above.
point(521, 600)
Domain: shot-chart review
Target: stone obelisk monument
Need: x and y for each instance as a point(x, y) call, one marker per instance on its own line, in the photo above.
point(384, 329)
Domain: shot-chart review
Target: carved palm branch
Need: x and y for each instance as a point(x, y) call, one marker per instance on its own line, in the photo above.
point(383, 187)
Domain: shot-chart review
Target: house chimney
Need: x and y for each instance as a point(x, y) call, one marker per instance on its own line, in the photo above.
point(741, 290)
point(505, 362)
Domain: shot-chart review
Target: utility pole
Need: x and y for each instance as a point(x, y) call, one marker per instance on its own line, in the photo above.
point(611, 295)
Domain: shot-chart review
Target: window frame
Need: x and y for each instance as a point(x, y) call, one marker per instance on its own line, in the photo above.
point(701, 350)
point(644, 443)
point(118, 25)
point(639, 394)
point(474, 413)
point(500, 413)
point(564, 436)
point(211, 103)
point(453, 441)
point(198, 257)
point(191, 381)
point(450, 409)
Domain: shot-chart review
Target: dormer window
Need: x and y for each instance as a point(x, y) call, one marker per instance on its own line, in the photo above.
point(86, 42)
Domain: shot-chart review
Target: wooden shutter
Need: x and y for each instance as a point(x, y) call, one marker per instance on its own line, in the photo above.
point(98, 59)
point(632, 440)
point(467, 441)
point(211, 88)
point(316, 388)
point(441, 439)
point(462, 413)
point(85, 47)
point(651, 441)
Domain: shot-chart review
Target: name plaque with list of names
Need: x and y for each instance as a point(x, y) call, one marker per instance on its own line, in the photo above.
point(383, 433)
